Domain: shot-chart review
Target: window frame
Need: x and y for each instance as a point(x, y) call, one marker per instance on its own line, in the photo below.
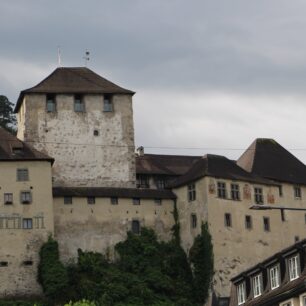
point(137, 232)
point(68, 200)
point(158, 201)
point(27, 221)
point(241, 293)
point(10, 199)
point(257, 285)
point(274, 278)
point(193, 221)
point(228, 220)
point(248, 222)
point(108, 105)
point(51, 100)
point(79, 104)
point(266, 225)
point(258, 195)
point(221, 190)
point(26, 197)
point(136, 201)
point(235, 192)
point(91, 200)
point(293, 270)
point(114, 200)
point(22, 175)
point(297, 192)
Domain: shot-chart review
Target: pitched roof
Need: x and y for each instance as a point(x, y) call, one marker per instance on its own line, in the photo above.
point(113, 192)
point(267, 158)
point(13, 149)
point(217, 166)
point(74, 80)
point(164, 164)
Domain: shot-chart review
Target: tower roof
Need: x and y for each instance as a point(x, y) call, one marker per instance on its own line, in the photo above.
point(13, 149)
point(73, 80)
point(267, 158)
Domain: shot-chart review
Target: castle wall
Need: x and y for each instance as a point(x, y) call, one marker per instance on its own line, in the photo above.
point(82, 158)
point(98, 227)
point(237, 248)
point(19, 252)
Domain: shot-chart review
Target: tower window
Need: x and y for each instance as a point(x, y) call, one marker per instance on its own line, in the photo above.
point(50, 103)
point(135, 227)
point(107, 103)
point(96, 132)
point(79, 105)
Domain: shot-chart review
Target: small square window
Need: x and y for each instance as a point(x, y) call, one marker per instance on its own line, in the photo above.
point(26, 197)
point(50, 103)
point(27, 223)
point(191, 192)
point(114, 200)
point(79, 105)
point(158, 201)
point(258, 195)
point(136, 201)
point(194, 220)
point(297, 192)
point(96, 132)
point(136, 227)
point(107, 103)
point(248, 222)
point(22, 175)
point(266, 223)
point(228, 220)
point(91, 200)
point(8, 198)
point(221, 190)
point(67, 200)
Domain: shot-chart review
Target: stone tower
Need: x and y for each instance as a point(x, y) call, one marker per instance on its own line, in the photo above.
point(85, 123)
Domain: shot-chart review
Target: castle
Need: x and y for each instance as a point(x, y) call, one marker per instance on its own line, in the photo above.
point(72, 172)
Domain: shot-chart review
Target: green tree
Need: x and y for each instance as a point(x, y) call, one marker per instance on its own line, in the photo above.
point(7, 116)
point(202, 259)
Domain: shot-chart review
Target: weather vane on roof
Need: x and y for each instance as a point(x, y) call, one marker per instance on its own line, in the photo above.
point(86, 57)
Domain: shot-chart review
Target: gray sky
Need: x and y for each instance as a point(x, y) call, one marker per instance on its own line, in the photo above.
point(212, 75)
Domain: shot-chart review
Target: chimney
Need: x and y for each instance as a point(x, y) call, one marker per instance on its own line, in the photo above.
point(140, 151)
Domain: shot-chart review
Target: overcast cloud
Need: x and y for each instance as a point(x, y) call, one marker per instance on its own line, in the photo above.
point(212, 75)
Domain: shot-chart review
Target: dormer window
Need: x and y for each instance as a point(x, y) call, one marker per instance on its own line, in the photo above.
point(274, 277)
point(50, 103)
point(241, 293)
point(257, 285)
point(108, 103)
point(293, 267)
point(79, 105)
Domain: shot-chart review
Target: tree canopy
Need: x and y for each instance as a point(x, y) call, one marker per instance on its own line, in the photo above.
point(7, 116)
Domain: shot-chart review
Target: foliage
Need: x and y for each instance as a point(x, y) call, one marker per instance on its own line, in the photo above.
point(202, 260)
point(7, 116)
point(20, 303)
point(52, 275)
point(81, 303)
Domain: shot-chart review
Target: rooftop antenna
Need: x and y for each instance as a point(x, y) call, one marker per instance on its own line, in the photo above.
point(59, 56)
point(86, 57)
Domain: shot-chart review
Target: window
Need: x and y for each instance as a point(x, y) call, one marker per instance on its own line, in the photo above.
point(142, 181)
point(266, 224)
point(235, 193)
point(108, 103)
point(8, 198)
point(248, 222)
point(304, 301)
point(158, 201)
point(67, 200)
point(26, 197)
point(50, 103)
point(286, 304)
point(241, 293)
point(228, 220)
point(91, 200)
point(160, 183)
point(258, 196)
point(136, 201)
point(114, 200)
point(28, 263)
point(79, 105)
point(280, 190)
point(27, 223)
point(193, 220)
point(3, 263)
point(257, 285)
point(135, 227)
point(293, 267)
point(274, 277)
point(297, 192)
point(221, 190)
point(191, 192)
point(96, 132)
point(22, 175)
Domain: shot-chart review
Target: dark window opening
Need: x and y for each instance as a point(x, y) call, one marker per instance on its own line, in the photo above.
point(248, 222)
point(28, 263)
point(67, 200)
point(114, 201)
point(194, 221)
point(96, 133)
point(26, 197)
point(235, 193)
point(221, 190)
point(91, 200)
point(266, 222)
point(8, 198)
point(79, 105)
point(191, 192)
point(258, 195)
point(136, 201)
point(280, 191)
point(142, 181)
point(158, 201)
point(3, 263)
point(50, 103)
point(108, 103)
point(136, 227)
point(228, 220)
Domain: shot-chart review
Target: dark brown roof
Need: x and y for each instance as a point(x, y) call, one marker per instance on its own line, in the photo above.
point(164, 164)
point(13, 149)
point(285, 291)
point(267, 158)
point(74, 80)
point(217, 166)
point(113, 192)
